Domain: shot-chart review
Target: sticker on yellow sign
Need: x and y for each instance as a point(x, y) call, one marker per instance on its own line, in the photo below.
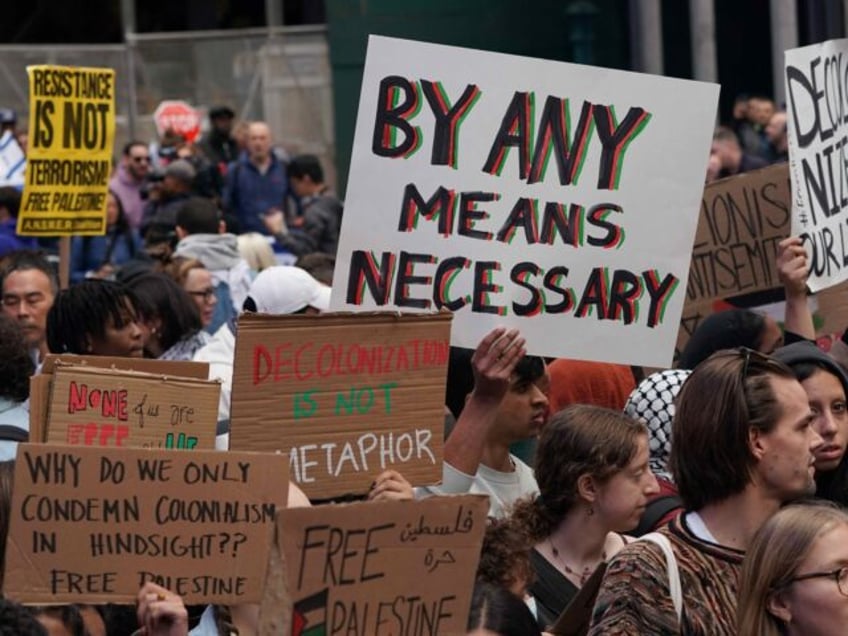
point(72, 131)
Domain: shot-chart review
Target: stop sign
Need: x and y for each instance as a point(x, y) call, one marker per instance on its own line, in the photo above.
point(178, 117)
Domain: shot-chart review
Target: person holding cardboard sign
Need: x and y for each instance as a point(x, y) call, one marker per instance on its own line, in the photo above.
point(508, 404)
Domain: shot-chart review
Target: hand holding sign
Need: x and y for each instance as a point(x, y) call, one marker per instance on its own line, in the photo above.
point(391, 486)
point(494, 361)
point(793, 270)
point(793, 267)
point(161, 612)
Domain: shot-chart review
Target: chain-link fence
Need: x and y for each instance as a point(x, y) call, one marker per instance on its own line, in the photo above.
point(279, 75)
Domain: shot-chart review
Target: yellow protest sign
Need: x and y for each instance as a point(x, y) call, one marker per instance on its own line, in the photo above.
point(72, 131)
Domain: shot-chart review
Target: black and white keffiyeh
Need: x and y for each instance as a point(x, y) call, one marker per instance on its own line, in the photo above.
point(653, 403)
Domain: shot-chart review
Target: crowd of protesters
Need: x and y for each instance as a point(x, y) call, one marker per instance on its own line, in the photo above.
point(709, 495)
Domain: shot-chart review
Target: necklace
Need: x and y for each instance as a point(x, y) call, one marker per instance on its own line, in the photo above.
point(581, 576)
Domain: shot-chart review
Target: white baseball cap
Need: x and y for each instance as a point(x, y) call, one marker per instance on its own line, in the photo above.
point(285, 289)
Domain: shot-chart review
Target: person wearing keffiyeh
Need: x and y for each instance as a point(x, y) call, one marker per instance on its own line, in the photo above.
point(653, 403)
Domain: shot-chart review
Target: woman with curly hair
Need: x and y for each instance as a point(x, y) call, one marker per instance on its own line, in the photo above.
point(95, 317)
point(15, 368)
point(594, 483)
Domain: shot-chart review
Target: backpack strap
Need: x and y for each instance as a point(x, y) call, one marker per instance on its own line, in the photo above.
point(675, 588)
point(11, 433)
point(655, 511)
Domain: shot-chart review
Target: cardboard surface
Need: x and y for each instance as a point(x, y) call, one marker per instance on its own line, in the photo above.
point(816, 101)
point(383, 568)
point(69, 155)
point(90, 525)
point(176, 368)
point(345, 396)
point(39, 397)
point(101, 407)
point(556, 198)
point(742, 220)
point(39, 385)
point(833, 310)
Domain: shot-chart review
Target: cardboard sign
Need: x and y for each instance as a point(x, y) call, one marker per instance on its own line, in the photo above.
point(832, 310)
point(173, 368)
point(345, 396)
point(69, 157)
point(742, 220)
point(39, 385)
point(12, 161)
point(693, 315)
point(816, 124)
point(102, 407)
point(556, 198)
point(383, 568)
point(91, 525)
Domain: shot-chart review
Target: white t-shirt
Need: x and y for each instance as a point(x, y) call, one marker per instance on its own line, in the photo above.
point(219, 353)
point(206, 626)
point(503, 489)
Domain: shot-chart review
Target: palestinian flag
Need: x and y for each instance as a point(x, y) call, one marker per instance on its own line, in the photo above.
point(309, 617)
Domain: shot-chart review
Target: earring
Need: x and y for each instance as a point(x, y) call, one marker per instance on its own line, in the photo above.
point(591, 510)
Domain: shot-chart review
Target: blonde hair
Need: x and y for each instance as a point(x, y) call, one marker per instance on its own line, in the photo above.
point(256, 250)
point(179, 267)
point(773, 558)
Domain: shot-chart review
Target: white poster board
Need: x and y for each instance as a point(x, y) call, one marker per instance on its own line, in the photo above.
point(817, 121)
point(558, 198)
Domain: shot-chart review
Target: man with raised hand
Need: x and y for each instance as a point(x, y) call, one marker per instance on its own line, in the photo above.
point(507, 404)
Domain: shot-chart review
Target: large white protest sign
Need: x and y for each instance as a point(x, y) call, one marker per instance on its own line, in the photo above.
point(558, 198)
point(817, 122)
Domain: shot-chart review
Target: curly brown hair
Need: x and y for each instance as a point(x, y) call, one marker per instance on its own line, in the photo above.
point(579, 440)
point(505, 555)
point(15, 363)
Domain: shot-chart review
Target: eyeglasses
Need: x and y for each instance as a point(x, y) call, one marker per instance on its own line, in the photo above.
point(840, 575)
point(206, 294)
point(748, 355)
point(143, 159)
